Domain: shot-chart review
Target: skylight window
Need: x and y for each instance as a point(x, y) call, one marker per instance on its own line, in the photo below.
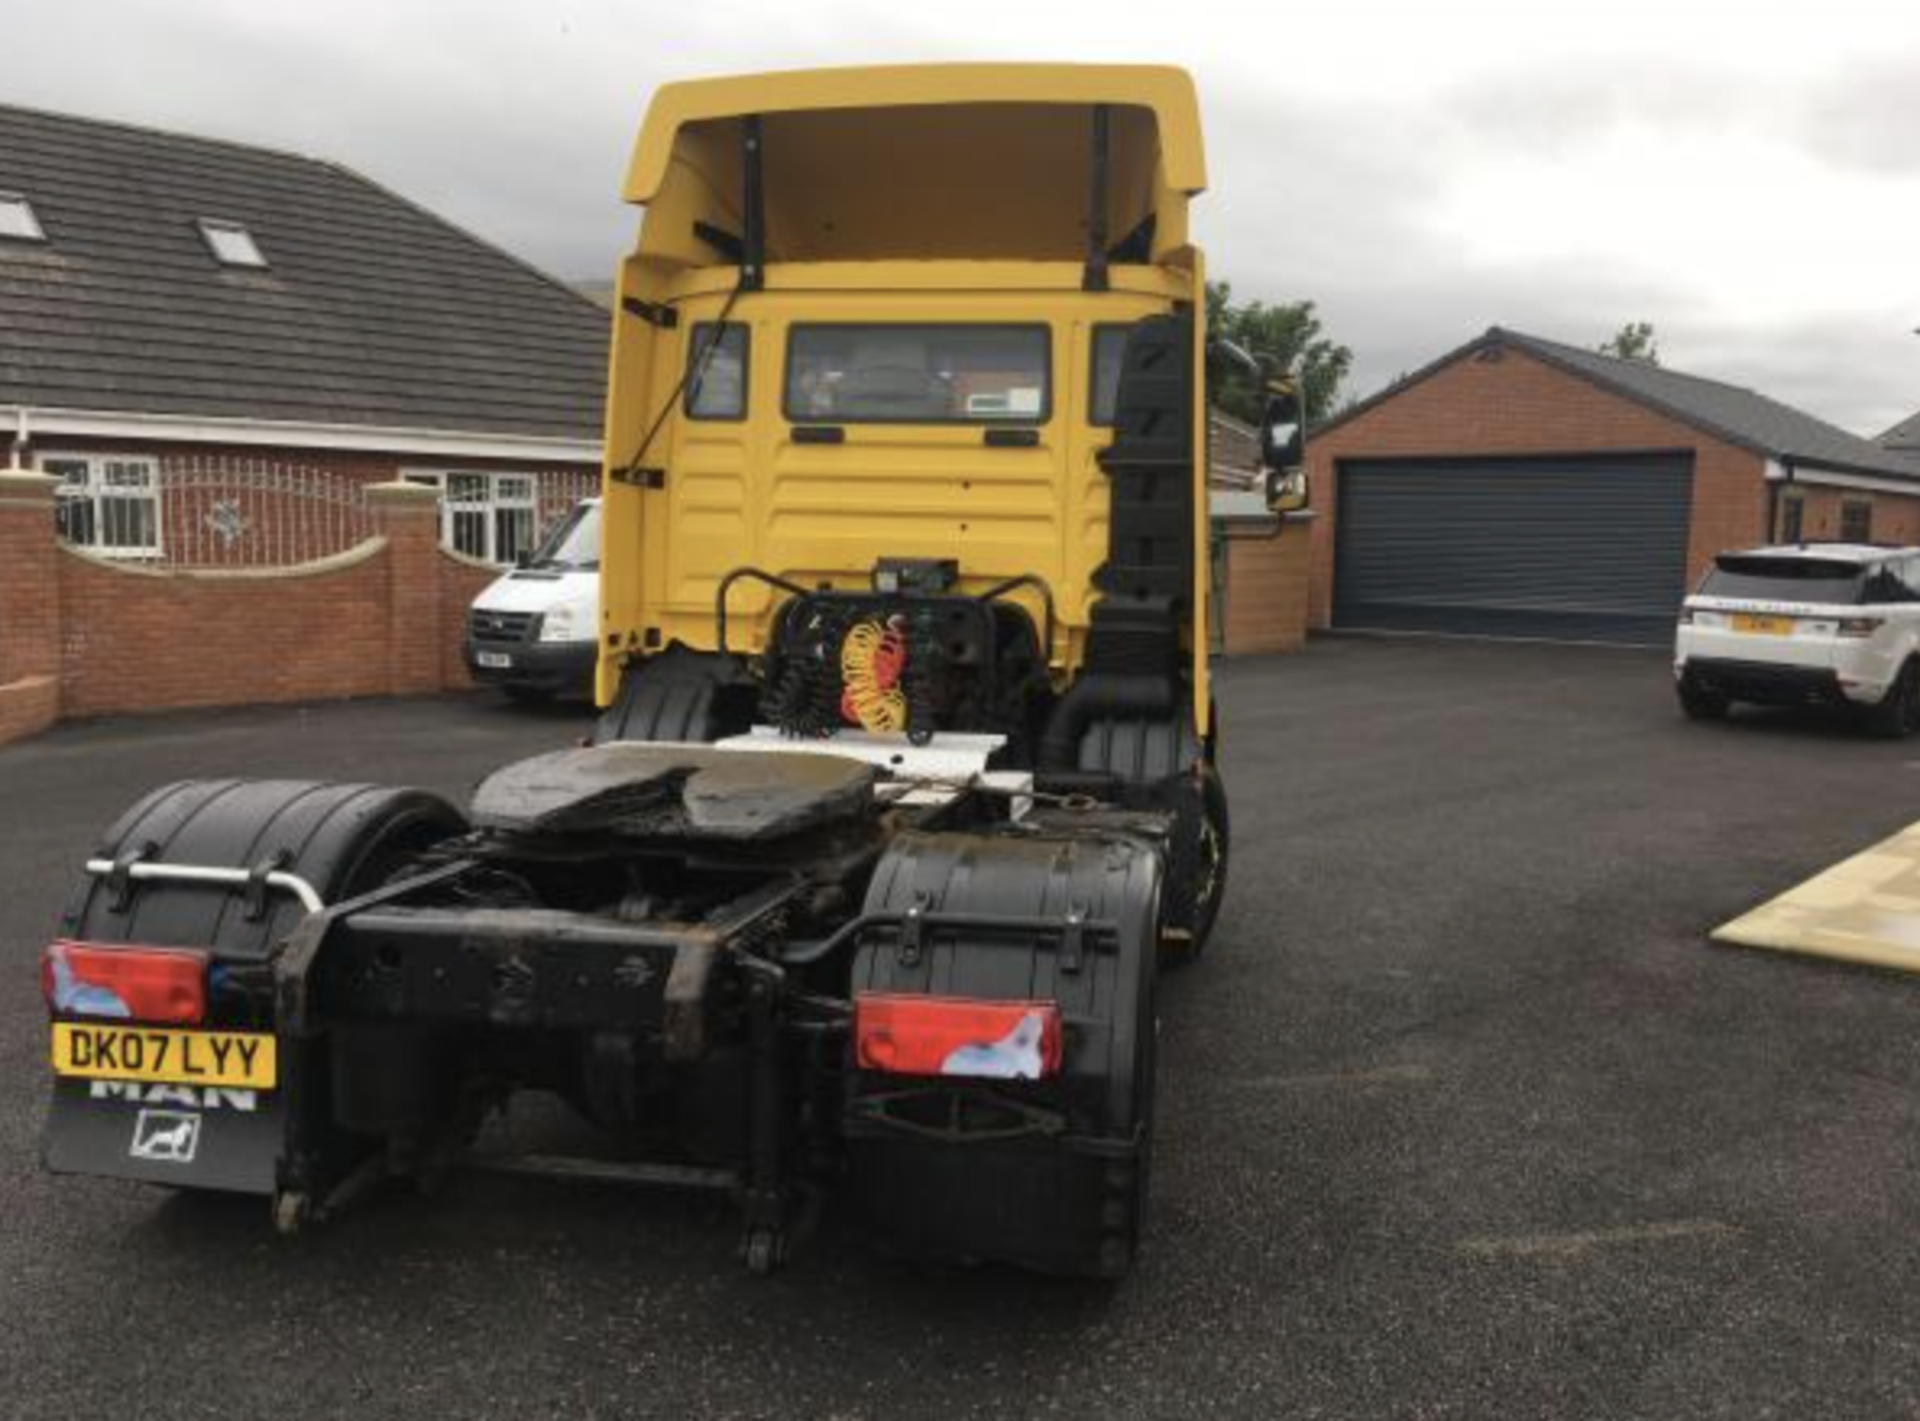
point(17, 220)
point(230, 243)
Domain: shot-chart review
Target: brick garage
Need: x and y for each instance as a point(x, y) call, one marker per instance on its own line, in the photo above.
point(1552, 491)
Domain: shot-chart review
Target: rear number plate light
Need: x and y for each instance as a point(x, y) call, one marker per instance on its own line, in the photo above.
point(956, 1036)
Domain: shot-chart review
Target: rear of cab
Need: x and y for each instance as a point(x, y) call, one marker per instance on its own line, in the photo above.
point(1808, 624)
point(922, 367)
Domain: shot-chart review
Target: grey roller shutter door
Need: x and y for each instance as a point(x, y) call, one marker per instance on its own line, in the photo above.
point(1587, 548)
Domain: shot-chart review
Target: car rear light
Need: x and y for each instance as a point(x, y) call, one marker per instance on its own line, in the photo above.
point(956, 1036)
point(161, 985)
point(1857, 626)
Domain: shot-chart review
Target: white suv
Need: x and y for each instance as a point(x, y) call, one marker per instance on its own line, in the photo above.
point(1833, 624)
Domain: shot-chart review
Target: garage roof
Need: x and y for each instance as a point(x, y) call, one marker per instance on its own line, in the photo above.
point(183, 276)
point(1740, 416)
point(1904, 435)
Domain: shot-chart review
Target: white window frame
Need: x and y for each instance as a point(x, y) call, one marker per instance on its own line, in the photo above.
point(95, 489)
point(502, 496)
point(23, 223)
point(232, 244)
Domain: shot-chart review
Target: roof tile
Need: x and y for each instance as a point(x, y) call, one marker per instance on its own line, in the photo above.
point(371, 310)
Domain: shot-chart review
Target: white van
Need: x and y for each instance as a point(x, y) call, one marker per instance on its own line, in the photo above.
point(534, 633)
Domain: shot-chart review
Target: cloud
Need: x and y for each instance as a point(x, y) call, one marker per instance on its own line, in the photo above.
point(1746, 179)
point(1870, 117)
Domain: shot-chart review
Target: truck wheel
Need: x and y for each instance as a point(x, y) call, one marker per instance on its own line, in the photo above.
point(1206, 860)
point(342, 839)
point(338, 839)
point(1698, 702)
point(1898, 714)
point(1048, 1174)
point(1163, 764)
point(679, 695)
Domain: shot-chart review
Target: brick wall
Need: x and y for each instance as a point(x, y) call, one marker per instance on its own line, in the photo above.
point(461, 580)
point(1896, 516)
point(1519, 405)
point(137, 640)
point(82, 635)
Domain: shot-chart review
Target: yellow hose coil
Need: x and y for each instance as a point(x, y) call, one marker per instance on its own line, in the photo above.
point(871, 658)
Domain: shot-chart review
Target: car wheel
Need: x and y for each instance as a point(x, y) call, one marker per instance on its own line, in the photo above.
point(1701, 703)
point(1898, 714)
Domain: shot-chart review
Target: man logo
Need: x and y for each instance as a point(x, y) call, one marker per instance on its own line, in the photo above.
point(165, 1136)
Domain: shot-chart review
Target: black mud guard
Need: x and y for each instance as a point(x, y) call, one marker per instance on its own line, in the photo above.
point(680, 695)
point(341, 839)
point(1051, 1174)
point(1160, 763)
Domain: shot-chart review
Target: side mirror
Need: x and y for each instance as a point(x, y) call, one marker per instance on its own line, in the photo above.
point(1287, 492)
point(1283, 448)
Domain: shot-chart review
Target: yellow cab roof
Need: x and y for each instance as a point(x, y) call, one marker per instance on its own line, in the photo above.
point(1163, 90)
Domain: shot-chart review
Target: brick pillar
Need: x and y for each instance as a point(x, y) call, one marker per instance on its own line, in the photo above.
point(29, 577)
point(408, 516)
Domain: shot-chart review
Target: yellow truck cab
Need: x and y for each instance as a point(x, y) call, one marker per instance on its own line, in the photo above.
point(923, 321)
point(903, 790)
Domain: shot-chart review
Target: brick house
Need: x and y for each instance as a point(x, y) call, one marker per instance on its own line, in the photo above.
point(213, 346)
point(1524, 488)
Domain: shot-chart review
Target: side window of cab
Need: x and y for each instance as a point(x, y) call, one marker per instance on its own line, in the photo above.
point(716, 380)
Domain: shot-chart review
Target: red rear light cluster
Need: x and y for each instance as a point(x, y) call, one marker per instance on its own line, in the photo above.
point(1858, 626)
point(956, 1036)
point(157, 985)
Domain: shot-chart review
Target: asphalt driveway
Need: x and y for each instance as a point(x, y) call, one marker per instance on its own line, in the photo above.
point(1461, 1117)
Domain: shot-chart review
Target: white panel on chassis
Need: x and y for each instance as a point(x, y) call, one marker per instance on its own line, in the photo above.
point(920, 774)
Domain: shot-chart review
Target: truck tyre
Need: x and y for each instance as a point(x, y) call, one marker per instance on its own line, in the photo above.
point(1206, 886)
point(1898, 714)
point(1164, 764)
point(1699, 702)
point(679, 695)
point(1051, 1174)
point(342, 839)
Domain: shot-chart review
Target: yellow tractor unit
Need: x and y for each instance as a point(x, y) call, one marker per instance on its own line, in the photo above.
point(903, 791)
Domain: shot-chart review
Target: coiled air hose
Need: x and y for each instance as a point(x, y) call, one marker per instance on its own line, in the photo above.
point(871, 659)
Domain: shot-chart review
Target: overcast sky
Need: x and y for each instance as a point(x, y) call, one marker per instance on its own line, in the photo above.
point(1745, 176)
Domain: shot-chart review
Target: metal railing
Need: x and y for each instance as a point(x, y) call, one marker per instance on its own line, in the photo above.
point(229, 511)
point(217, 512)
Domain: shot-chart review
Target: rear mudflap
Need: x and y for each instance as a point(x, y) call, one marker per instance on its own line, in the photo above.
point(1047, 1173)
point(197, 1137)
point(999, 1179)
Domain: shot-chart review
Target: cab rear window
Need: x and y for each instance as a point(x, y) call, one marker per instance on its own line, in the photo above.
point(917, 374)
point(1785, 580)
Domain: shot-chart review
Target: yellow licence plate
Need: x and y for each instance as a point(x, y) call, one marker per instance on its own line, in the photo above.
point(1762, 626)
point(151, 1053)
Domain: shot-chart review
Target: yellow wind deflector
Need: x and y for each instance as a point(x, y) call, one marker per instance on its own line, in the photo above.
point(975, 162)
point(1866, 909)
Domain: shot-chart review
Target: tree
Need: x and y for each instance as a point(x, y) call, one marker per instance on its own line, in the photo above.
point(1288, 336)
point(1634, 341)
